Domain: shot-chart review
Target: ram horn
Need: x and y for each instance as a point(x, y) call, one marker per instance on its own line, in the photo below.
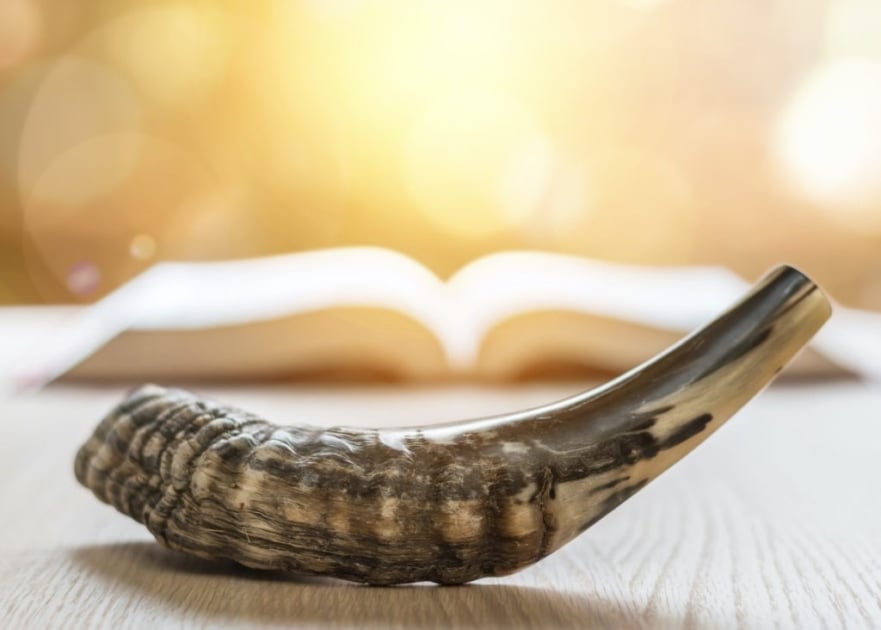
point(445, 503)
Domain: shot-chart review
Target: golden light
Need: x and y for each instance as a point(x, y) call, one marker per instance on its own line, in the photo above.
point(333, 9)
point(20, 30)
point(547, 191)
point(83, 278)
point(173, 52)
point(465, 160)
point(434, 48)
point(15, 104)
point(137, 132)
point(87, 170)
point(67, 236)
point(210, 223)
point(567, 202)
point(78, 101)
point(382, 65)
point(642, 4)
point(423, 95)
point(142, 247)
point(299, 167)
point(829, 141)
point(642, 210)
point(525, 179)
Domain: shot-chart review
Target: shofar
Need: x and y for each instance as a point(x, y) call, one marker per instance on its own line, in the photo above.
point(447, 503)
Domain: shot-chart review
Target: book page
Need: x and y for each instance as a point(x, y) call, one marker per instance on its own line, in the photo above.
point(501, 286)
point(370, 309)
point(540, 308)
point(249, 317)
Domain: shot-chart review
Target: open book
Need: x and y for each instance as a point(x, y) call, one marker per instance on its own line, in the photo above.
point(370, 310)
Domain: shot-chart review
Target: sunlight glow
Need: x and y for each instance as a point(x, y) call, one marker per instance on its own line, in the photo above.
point(642, 4)
point(525, 179)
point(854, 28)
point(459, 163)
point(829, 140)
point(645, 131)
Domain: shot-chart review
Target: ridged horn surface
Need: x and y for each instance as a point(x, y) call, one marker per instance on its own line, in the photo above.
point(446, 503)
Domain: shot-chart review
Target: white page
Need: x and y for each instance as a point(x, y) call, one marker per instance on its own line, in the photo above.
point(459, 313)
point(200, 295)
point(673, 298)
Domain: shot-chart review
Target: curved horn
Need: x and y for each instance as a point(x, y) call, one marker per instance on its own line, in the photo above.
point(447, 503)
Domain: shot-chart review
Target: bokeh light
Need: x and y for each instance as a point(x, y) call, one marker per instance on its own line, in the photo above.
point(642, 204)
point(644, 131)
point(830, 141)
point(854, 28)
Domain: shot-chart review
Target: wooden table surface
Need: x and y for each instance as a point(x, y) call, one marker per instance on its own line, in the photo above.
point(774, 522)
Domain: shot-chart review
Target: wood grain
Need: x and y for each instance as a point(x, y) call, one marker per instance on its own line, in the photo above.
point(772, 523)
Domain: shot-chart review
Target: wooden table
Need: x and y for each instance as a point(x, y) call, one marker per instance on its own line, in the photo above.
point(774, 522)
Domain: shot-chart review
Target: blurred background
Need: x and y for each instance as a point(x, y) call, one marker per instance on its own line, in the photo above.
point(735, 132)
